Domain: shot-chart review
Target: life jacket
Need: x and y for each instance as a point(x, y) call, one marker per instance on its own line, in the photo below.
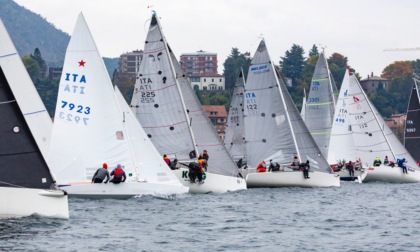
point(118, 172)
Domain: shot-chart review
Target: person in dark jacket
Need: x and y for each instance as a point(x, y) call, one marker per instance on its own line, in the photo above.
point(101, 174)
point(174, 164)
point(305, 169)
point(118, 175)
point(274, 166)
point(350, 168)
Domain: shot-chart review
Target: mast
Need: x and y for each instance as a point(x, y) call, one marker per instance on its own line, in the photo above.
point(177, 85)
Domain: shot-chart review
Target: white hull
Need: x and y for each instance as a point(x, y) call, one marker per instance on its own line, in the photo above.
point(22, 202)
point(291, 179)
point(213, 183)
point(124, 190)
point(359, 175)
point(392, 175)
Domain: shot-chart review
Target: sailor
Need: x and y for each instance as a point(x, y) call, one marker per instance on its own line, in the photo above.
point(377, 162)
point(261, 167)
point(350, 168)
point(274, 166)
point(401, 163)
point(202, 167)
point(167, 160)
point(174, 164)
point(386, 161)
point(118, 175)
point(295, 163)
point(205, 155)
point(239, 163)
point(305, 169)
point(100, 174)
point(192, 171)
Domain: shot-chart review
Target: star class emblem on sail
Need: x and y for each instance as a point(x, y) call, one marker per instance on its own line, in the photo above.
point(82, 63)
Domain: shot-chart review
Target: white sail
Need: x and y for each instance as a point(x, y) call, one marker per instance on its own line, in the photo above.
point(372, 137)
point(27, 186)
point(320, 105)
point(157, 101)
point(150, 164)
point(341, 141)
point(107, 130)
point(235, 130)
point(274, 128)
point(87, 124)
point(173, 117)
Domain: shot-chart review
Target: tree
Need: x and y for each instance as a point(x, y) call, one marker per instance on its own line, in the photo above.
point(313, 51)
point(41, 62)
point(293, 62)
point(398, 69)
point(32, 67)
point(338, 66)
point(232, 64)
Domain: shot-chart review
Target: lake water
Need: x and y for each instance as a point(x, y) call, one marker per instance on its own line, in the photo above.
point(355, 217)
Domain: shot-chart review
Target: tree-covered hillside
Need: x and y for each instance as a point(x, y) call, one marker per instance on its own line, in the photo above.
point(29, 31)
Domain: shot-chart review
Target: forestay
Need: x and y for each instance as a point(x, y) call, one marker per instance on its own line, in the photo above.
point(341, 141)
point(88, 129)
point(157, 99)
point(274, 128)
point(235, 130)
point(320, 105)
point(412, 129)
point(372, 137)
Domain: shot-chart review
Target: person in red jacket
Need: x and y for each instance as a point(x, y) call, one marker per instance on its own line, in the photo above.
point(262, 167)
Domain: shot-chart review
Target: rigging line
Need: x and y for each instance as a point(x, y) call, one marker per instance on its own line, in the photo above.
point(264, 88)
point(35, 112)
point(18, 153)
point(151, 90)
point(7, 55)
point(6, 102)
point(2, 182)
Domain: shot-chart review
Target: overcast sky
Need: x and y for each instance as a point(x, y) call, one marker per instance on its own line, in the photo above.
point(358, 29)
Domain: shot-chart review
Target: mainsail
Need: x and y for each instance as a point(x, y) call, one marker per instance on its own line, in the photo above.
point(320, 105)
point(167, 107)
point(24, 123)
point(412, 129)
point(372, 137)
point(235, 130)
point(90, 125)
point(157, 99)
point(341, 141)
point(274, 128)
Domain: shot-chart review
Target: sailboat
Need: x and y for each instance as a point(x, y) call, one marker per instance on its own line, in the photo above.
point(412, 131)
point(274, 130)
point(170, 113)
point(94, 125)
point(320, 104)
point(27, 186)
point(373, 138)
point(341, 145)
point(235, 130)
